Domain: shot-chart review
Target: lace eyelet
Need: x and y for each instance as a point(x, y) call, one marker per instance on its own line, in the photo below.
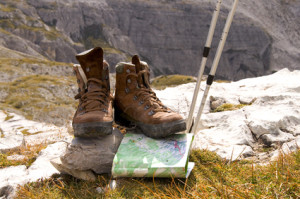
point(87, 69)
point(127, 90)
point(128, 71)
point(129, 81)
point(135, 98)
point(146, 107)
point(151, 112)
point(141, 102)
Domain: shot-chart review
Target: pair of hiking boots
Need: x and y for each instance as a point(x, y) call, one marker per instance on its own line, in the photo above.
point(135, 103)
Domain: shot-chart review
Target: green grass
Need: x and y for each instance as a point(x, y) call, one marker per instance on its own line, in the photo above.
point(29, 151)
point(164, 81)
point(7, 24)
point(51, 35)
point(8, 117)
point(1, 133)
point(7, 8)
point(27, 60)
point(212, 177)
point(26, 132)
point(229, 107)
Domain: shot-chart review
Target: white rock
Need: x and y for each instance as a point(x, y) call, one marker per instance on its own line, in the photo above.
point(291, 146)
point(276, 121)
point(228, 135)
point(286, 148)
point(36, 132)
point(11, 177)
point(42, 168)
point(94, 154)
point(11, 140)
point(274, 116)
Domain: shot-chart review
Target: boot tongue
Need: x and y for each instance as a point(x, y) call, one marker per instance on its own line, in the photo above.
point(143, 80)
point(95, 85)
point(92, 85)
point(92, 62)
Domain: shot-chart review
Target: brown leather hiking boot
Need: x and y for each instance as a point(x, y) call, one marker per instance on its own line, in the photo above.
point(136, 104)
point(94, 113)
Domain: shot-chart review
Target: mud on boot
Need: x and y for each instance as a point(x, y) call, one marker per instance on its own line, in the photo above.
point(94, 113)
point(136, 103)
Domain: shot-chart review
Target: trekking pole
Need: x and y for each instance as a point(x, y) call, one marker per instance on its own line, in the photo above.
point(214, 67)
point(203, 62)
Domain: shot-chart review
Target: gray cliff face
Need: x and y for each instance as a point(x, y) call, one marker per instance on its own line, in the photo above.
point(169, 35)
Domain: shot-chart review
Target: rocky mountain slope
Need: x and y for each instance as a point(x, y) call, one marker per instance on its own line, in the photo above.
point(168, 34)
point(37, 88)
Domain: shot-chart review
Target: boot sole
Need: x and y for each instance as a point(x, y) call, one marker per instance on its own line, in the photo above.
point(92, 129)
point(151, 130)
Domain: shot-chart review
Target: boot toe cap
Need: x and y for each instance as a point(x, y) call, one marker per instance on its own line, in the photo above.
point(94, 116)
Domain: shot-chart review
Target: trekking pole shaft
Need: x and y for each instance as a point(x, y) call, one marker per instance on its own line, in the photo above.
point(203, 61)
point(223, 38)
point(200, 109)
point(215, 63)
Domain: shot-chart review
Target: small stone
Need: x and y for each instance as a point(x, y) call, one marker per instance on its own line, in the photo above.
point(100, 190)
point(95, 154)
point(83, 175)
point(215, 102)
point(247, 100)
point(6, 192)
point(113, 184)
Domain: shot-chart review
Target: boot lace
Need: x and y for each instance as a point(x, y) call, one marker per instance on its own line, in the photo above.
point(145, 94)
point(96, 99)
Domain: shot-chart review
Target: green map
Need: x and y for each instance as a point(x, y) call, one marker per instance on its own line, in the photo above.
point(141, 156)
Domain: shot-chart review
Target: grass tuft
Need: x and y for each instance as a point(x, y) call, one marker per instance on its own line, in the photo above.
point(1, 133)
point(164, 81)
point(8, 117)
point(229, 107)
point(30, 152)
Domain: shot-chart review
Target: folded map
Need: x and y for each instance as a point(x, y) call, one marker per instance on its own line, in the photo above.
point(141, 156)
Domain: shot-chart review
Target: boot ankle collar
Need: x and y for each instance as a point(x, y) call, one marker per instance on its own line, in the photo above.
point(125, 67)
